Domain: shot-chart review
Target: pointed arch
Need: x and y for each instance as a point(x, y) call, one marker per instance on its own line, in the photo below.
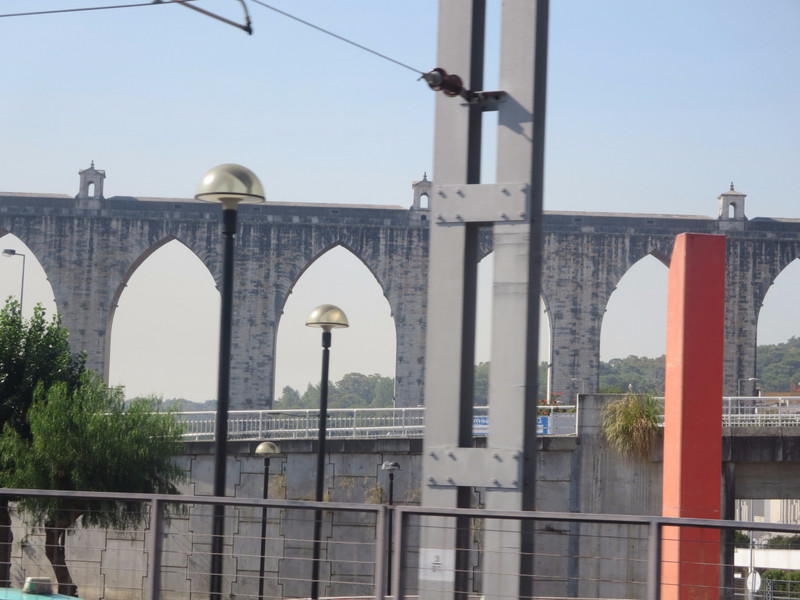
point(24, 275)
point(779, 322)
point(635, 316)
point(320, 254)
point(178, 317)
point(337, 276)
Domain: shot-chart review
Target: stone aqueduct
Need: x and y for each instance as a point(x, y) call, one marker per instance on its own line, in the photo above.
point(89, 246)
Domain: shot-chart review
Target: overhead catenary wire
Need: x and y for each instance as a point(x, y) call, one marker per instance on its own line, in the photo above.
point(338, 37)
point(245, 27)
point(88, 8)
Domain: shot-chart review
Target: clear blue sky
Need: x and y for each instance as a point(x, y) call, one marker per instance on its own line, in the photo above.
point(653, 107)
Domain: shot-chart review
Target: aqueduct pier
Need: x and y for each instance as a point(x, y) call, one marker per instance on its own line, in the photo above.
point(90, 245)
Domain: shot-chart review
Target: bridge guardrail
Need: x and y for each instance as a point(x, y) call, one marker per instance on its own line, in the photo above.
point(350, 423)
point(372, 423)
point(760, 411)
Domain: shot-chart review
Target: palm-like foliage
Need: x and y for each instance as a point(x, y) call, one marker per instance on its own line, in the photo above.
point(631, 423)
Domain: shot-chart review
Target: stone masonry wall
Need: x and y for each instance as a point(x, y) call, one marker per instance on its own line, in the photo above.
point(90, 248)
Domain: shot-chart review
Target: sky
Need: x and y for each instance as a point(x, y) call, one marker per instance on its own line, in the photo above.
point(652, 108)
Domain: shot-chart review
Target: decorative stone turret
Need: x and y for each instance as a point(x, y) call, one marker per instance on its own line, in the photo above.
point(731, 205)
point(91, 183)
point(421, 189)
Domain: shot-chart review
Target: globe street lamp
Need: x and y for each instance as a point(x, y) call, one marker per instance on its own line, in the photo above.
point(267, 450)
point(327, 317)
point(390, 466)
point(230, 185)
point(9, 252)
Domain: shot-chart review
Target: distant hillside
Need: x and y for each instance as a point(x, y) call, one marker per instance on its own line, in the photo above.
point(778, 371)
point(778, 366)
point(187, 406)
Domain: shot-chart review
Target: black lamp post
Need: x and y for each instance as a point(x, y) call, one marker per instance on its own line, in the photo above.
point(326, 317)
point(9, 252)
point(230, 185)
point(267, 450)
point(390, 466)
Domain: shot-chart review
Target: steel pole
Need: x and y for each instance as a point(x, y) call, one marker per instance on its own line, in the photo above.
point(389, 541)
point(22, 283)
point(323, 425)
point(223, 391)
point(265, 495)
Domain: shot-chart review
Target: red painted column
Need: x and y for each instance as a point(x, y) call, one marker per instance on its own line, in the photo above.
point(693, 415)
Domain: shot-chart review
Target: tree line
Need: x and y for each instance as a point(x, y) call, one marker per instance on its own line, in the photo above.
point(778, 371)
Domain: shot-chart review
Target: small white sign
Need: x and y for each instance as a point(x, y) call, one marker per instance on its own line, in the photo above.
point(437, 564)
point(753, 581)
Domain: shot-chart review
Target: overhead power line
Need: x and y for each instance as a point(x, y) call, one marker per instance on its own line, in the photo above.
point(338, 37)
point(246, 27)
point(85, 9)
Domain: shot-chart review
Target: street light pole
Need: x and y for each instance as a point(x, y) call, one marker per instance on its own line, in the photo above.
point(748, 379)
point(390, 466)
point(230, 185)
point(326, 317)
point(9, 252)
point(267, 450)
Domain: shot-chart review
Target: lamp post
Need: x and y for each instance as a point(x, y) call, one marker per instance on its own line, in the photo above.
point(390, 466)
point(748, 379)
point(267, 450)
point(9, 252)
point(327, 317)
point(582, 382)
point(230, 185)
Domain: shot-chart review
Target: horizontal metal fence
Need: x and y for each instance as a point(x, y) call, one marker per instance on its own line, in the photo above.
point(573, 555)
point(763, 411)
point(350, 423)
point(434, 552)
point(371, 423)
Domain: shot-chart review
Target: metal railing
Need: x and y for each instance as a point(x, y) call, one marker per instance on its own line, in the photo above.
point(763, 411)
point(571, 554)
point(372, 423)
point(349, 423)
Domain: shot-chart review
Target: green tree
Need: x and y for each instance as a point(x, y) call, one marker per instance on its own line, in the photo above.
point(31, 352)
point(784, 542)
point(639, 374)
point(384, 392)
point(290, 398)
point(89, 438)
point(481, 384)
point(779, 366)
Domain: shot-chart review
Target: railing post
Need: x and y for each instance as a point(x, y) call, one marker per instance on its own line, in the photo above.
point(654, 561)
point(154, 548)
point(380, 552)
point(398, 554)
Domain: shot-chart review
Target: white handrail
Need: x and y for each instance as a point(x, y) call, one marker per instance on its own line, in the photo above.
point(372, 423)
point(344, 423)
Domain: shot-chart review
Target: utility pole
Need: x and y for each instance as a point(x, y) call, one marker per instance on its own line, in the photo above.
point(460, 207)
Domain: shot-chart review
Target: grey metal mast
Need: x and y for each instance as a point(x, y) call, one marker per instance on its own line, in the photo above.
point(460, 206)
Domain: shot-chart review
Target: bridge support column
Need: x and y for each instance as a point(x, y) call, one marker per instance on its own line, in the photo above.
point(693, 415)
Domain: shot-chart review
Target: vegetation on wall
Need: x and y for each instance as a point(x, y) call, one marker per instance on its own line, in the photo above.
point(631, 423)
